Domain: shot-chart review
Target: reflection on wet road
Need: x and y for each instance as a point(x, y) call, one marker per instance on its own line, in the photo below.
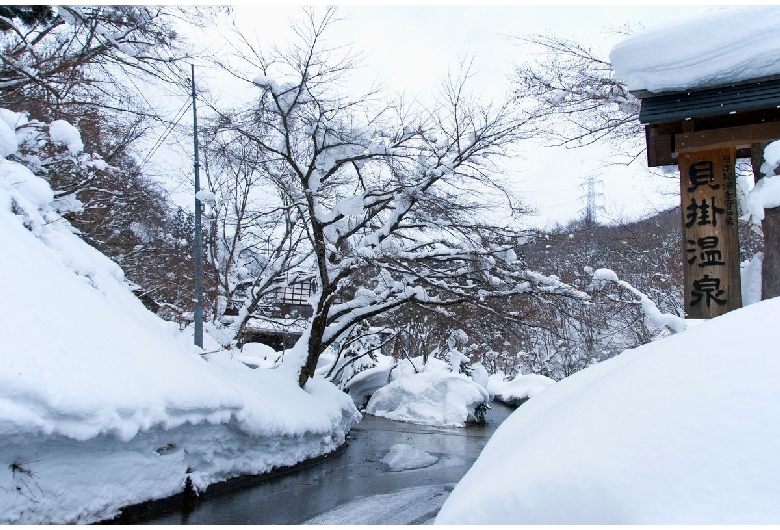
point(356, 487)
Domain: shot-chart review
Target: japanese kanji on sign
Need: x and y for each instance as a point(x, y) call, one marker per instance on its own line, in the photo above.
point(710, 239)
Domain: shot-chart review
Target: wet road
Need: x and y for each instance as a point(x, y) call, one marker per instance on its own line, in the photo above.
point(356, 487)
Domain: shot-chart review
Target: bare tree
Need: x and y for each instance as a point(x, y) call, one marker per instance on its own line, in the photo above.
point(71, 54)
point(254, 239)
point(396, 201)
point(576, 87)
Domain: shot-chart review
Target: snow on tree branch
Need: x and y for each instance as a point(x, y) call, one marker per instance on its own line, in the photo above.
point(397, 201)
point(601, 277)
point(578, 89)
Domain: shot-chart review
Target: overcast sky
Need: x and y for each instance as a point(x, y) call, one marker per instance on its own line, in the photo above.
point(410, 48)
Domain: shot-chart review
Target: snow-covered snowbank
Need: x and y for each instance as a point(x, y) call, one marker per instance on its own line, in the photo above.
point(102, 404)
point(723, 47)
point(519, 389)
point(433, 396)
point(684, 430)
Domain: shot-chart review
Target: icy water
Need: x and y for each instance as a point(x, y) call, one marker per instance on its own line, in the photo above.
point(356, 487)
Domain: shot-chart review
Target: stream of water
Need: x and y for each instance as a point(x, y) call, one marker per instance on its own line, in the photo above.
point(355, 487)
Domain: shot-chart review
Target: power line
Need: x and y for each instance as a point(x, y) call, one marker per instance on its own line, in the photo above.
point(168, 130)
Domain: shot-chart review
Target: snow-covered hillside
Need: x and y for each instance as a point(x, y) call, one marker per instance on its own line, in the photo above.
point(102, 404)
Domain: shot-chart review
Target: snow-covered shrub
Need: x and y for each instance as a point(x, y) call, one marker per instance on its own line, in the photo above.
point(429, 394)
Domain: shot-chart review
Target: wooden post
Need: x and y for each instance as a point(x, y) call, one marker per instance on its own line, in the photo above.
point(770, 226)
point(710, 237)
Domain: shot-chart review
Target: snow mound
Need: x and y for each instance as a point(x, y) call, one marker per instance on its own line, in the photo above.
point(257, 355)
point(716, 49)
point(680, 431)
point(434, 396)
point(402, 457)
point(519, 389)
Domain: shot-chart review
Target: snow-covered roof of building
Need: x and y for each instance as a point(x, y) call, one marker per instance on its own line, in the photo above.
point(724, 47)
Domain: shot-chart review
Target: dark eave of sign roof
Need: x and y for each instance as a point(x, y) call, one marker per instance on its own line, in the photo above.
point(723, 100)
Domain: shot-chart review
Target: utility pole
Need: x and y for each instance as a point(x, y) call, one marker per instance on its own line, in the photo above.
point(198, 243)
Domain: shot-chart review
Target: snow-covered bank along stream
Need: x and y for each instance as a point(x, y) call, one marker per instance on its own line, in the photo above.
point(102, 404)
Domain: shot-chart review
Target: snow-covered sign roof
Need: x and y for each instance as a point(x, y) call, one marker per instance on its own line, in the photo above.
point(724, 47)
point(705, 82)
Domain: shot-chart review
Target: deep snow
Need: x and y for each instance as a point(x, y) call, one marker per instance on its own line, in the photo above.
point(727, 46)
point(102, 404)
point(680, 431)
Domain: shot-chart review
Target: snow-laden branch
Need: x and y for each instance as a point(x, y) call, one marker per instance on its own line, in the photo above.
point(603, 276)
point(393, 202)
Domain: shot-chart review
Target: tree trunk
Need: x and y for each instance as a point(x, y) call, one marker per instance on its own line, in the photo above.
point(313, 350)
point(770, 268)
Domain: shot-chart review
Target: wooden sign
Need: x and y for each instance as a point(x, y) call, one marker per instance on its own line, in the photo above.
point(710, 237)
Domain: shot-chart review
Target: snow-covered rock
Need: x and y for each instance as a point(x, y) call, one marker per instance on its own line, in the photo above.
point(402, 457)
point(519, 389)
point(256, 355)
